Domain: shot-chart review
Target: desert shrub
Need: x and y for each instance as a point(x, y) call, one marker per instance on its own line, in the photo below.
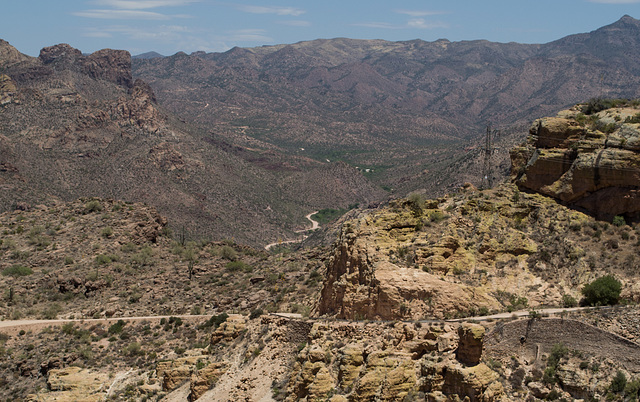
point(415, 203)
point(255, 313)
point(618, 221)
point(106, 232)
point(17, 271)
point(437, 216)
point(602, 291)
point(215, 321)
point(595, 105)
point(68, 260)
point(142, 258)
point(235, 266)
point(133, 349)
point(92, 206)
point(52, 311)
point(117, 327)
point(69, 328)
point(618, 383)
point(633, 119)
point(569, 301)
point(632, 390)
point(102, 259)
point(327, 215)
point(228, 253)
point(128, 248)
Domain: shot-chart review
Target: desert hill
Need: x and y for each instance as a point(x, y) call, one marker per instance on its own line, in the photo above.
point(102, 261)
point(408, 111)
point(75, 126)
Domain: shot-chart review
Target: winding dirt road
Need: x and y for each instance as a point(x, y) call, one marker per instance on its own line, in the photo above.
point(314, 225)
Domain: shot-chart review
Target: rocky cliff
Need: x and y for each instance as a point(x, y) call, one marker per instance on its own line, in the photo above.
point(586, 158)
point(472, 252)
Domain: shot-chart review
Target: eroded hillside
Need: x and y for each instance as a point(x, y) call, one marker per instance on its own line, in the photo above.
point(75, 126)
point(471, 252)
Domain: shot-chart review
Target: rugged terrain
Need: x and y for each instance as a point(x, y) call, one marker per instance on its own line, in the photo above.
point(587, 157)
point(413, 113)
point(131, 304)
point(104, 261)
point(74, 126)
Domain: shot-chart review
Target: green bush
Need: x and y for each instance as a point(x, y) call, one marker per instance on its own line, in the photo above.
point(92, 206)
point(632, 390)
point(17, 270)
point(102, 259)
point(602, 291)
point(215, 321)
point(569, 301)
point(235, 266)
point(227, 252)
point(133, 349)
point(106, 232)
point(618, 221)
point(618, 383)
point(117, 327)
point(52, 311)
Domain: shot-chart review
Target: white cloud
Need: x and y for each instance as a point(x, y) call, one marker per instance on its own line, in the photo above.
point(97, 34)
point(420, 23)
point(121, 14)
point(271, 10)
point(413, 23)
point(142, 4)
point(416, 13)
point(296, 23)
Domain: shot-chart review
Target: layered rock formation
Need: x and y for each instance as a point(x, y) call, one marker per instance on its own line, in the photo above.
point(471, 253)
point(590, 162)
point(392, 362)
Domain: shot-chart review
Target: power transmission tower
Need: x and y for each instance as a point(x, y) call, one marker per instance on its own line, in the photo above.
point(487, 176)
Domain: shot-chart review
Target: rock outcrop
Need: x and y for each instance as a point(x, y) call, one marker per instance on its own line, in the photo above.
point(110, 65)
point(587, 162)
point(365, 362)
point(106, 64)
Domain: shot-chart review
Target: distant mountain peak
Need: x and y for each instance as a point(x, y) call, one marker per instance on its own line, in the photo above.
point(625, 22)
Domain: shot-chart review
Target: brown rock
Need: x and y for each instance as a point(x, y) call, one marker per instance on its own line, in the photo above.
point(61, 55)
point(202, 380)
point(583, 166)
point(470, 344)
point(230, 329)
point(362, 283)
point(110, 65)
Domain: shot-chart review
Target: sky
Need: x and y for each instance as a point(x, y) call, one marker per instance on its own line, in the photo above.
point(170, 26)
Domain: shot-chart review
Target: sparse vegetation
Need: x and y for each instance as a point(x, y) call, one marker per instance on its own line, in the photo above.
point(17, 271)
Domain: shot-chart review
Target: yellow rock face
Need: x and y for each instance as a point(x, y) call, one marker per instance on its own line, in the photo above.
point(75, 384)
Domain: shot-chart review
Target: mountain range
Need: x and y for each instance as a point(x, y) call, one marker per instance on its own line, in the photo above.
point(243, 144)
point(400, 109)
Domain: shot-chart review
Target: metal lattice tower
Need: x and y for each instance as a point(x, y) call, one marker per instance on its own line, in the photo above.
point(487, 176)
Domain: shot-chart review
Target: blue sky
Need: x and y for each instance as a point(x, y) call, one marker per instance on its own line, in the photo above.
point(169, 26)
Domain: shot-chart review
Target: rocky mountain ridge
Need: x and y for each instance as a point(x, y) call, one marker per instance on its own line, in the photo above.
point(410, 111)
point(74, 126)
